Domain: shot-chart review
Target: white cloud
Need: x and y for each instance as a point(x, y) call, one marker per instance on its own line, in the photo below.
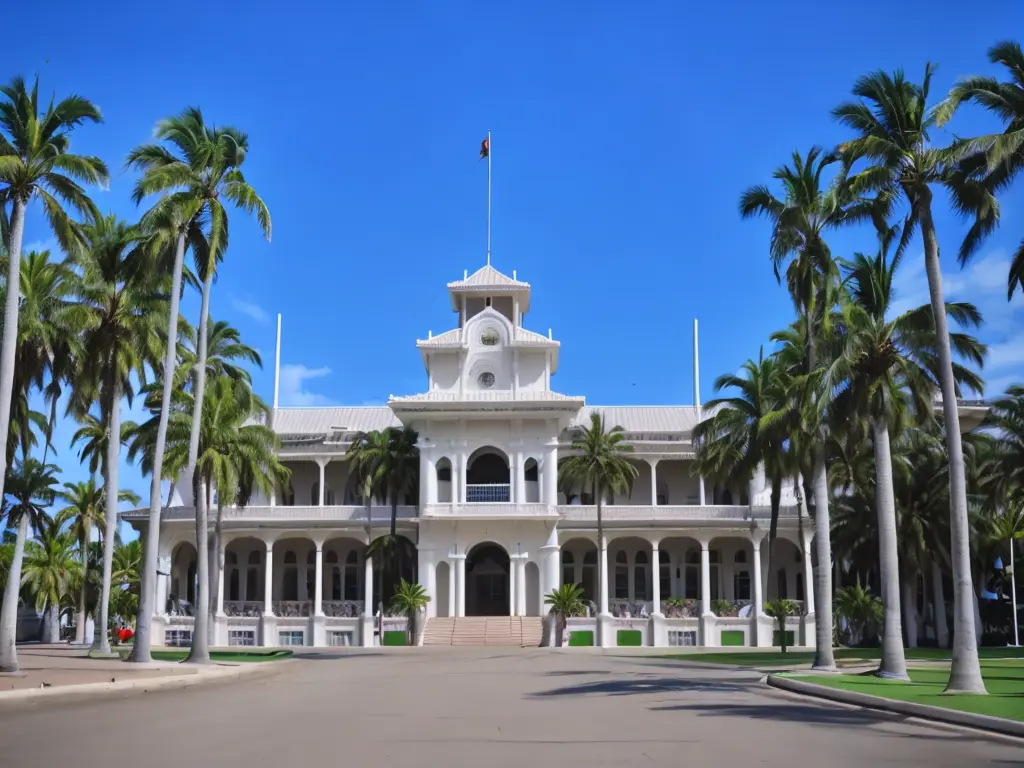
point(250, 309)
point(49, 244)
point(293, 389)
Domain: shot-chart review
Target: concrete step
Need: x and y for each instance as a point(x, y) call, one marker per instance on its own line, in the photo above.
point(497, 631)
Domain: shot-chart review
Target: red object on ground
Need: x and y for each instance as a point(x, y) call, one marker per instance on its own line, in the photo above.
point(125, 634)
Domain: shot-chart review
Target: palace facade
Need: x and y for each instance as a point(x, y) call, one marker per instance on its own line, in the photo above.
point(493, 528)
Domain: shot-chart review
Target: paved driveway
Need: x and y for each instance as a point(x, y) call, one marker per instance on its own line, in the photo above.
point(483, 707)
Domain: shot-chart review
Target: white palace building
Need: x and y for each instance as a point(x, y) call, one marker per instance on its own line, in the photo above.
point(493, 528)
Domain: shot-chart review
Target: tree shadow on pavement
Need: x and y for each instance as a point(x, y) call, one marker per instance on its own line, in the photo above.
point(640, 685)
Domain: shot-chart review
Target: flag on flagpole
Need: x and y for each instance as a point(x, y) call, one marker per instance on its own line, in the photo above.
point(485, 148)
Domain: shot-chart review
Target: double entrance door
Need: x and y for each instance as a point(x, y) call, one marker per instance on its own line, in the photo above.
point(490, 595)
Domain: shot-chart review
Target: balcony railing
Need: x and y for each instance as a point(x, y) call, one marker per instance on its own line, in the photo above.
point(488, 492)
point(667, 513)
point(243, 608)
point(346, 513)
point(488, 511)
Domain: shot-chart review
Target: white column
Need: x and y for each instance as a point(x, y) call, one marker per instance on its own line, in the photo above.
point(268, 581)
point(520, 477)
point(758, 593)
point(273, 495)
point(700, 485)
point(368, 588)
point(521, 586)
point(551, 564)
point(654, 481)
point(220, 584)
point(705, 579)
point(322, 463)
point(428, 568)
point(808, 578)
point(460, 585)
point(451, 587)
point(550, 495)
point(655, 579)
point(463, 470)
point(602, 566)
point(318, 580)
point(513, 583)
point(513, 479)
point(163, 564)
point(430, 469)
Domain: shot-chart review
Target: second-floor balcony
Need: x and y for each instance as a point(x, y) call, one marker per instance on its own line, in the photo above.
point(378, 515)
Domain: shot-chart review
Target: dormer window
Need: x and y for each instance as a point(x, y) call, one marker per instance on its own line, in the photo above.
point(490, 338)
point(487, 301)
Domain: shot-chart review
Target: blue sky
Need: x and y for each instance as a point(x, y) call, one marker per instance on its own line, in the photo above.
point(623, 135)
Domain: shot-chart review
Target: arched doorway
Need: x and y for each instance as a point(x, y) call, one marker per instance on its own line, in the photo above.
point(487, 570)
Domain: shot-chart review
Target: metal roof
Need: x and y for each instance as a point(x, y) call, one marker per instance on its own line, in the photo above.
point(488, 277)
point(643, 418)
point(323, 421)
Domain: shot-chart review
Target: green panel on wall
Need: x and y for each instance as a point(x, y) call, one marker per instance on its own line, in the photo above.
point(581, 637)
point(734, 637)
point(394, 637)
point(630, 637)
point(790, 638)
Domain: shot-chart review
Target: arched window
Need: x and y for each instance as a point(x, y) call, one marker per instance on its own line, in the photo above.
point(352, 576)
point(665, 576)
point(310, 575)
point(568, 568)
point(800, 586)
point(621, 576)
point(334, 574)
point(691, 580)
point(783, 583)
point(290, 578)
point(640, 572)
point(530, 470)
point(715, 558)
point(253, 583)
point(590, 575)
point(314, 495)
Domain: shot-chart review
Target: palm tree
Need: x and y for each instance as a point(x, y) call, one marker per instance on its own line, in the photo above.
point(892, 120)
point(750, 429)
point(126, 579)
point(120, 305)
point(193, 183)
point(47, 342)
point(598, 462)
point(1001, 157)
point(225, 350)
point(862, 611)
point(409, 600)
point(50, 568)
point(886, 377)
point(389, 459)
point(85, 509)
point(1006, 415)
point(31, 486)
point(35, 164)
point(566, 601)
point(237, 453)
point(807, 210)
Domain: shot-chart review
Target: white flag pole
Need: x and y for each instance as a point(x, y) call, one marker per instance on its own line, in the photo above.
point(488, 197)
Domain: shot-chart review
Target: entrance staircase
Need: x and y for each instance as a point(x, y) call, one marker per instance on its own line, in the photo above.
point(508, 631)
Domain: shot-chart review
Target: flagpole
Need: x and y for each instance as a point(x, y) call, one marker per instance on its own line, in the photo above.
point(488, 197)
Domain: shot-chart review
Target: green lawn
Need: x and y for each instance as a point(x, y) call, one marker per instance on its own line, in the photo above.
point(1004, 680)
point(226, 656)
point(772, 659)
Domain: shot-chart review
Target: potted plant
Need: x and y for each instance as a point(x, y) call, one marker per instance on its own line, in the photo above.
point(721, 607)
point(409, 600)
point(565, 602)
point(780, 610)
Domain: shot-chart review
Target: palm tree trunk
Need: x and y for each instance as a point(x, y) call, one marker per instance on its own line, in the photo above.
point(101, 641)
point(965, 671)
point(82, 617)
point(199, 377)
point(200, 651)
point(9, 612)
point(602, 562)
point(10, 339)
point(823, 655)
point(218, 564)
point(147, 589)
point(1013, 596)
point(894, 663)
point(939, 604)
point(773, 526)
